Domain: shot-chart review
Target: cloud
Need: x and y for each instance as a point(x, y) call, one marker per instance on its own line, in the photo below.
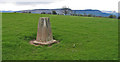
point(29, 2)
point(109, 5)
point(16, 5)
point(7, 1)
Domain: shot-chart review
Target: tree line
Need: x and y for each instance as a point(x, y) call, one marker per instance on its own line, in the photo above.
point(66, 11)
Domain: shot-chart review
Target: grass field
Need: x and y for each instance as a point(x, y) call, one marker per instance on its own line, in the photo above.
point(81, 38)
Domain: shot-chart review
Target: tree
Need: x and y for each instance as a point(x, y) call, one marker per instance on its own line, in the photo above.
point(81, 15)
point(112, 16)
point(29, 12)
point(43, 13)
point(118, 17)
point(54, 12)
point(78, 14)
point(66, 10)
point(89, 15)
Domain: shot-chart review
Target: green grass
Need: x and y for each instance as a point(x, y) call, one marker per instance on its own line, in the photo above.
point(94, 38)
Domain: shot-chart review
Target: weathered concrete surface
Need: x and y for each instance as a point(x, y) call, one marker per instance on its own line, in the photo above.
point(44, 33)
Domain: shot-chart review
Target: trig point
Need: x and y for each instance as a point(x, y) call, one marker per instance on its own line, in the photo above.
point(44, 33)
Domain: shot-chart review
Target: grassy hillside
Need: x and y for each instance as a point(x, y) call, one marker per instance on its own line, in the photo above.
point(81, 38)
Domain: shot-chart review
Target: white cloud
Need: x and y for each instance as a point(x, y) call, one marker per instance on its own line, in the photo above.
point(31, 3)
point(29, 0)
point(109, 5)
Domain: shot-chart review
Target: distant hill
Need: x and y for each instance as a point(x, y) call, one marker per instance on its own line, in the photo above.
point(60, 11)
point(7, 11)
point(111, 12)
point(94, 12)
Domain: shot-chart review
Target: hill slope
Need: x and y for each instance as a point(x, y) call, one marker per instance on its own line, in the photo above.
point(81, 38)
point(92, 12)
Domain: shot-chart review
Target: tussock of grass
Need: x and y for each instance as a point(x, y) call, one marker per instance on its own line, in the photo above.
point(81, 38)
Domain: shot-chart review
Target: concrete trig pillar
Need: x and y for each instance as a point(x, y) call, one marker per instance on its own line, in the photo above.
point(44, 33)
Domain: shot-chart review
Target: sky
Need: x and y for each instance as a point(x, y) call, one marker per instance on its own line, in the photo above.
point(16, 5)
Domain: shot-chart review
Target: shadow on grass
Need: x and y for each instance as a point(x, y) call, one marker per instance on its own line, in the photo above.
point(28, 38)
point(33, 37)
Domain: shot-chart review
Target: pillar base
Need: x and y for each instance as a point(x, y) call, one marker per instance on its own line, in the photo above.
point(34, 42)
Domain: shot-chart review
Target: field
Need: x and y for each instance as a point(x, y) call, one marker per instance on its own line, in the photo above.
point(81, 38)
